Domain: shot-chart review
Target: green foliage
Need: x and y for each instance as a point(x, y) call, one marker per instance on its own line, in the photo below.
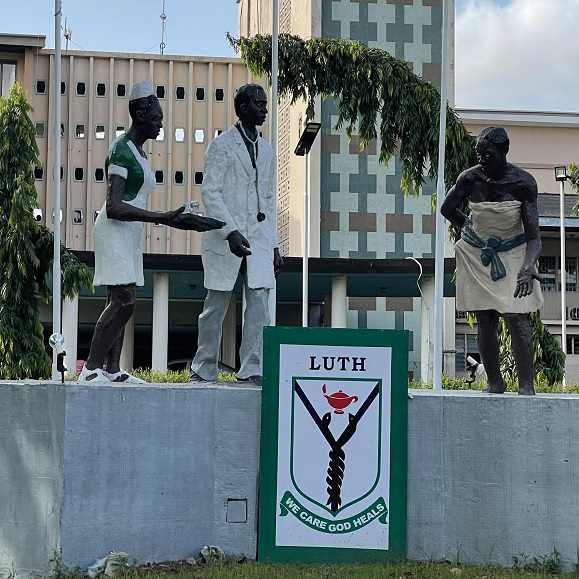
point(26, 252)
point(377, 96)
point(549, 564)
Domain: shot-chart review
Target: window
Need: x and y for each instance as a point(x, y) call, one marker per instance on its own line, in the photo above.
point(179, 134)
point(161, 135)
point(40, 86)
point(62, 130)
point(159, 177)
point(571, 274)
point(80, 89)
point(7, 76)
point(121, 91)
point(179, 177)
point(219, 95)
point(78, 174)
point(99, 132)
point(62, 87)
point(160, 91)
point(199, 135)
point(572, 344)
point(119, 130)
point(101, 89)
point(79, 132)
point(77, 216)
point(200, 93)
point(180, 93)
point(198, 178)
point(217, 132)
point(38, 173)
point(547, 270)
point(62, 173)
point(99, 174)
point(39, 129)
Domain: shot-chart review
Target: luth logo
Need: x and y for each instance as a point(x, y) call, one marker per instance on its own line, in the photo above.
point(335, 454)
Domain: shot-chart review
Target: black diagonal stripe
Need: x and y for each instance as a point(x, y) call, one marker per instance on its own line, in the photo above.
point(323, 427)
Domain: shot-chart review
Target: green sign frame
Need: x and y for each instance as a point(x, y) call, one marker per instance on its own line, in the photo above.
point(327, 531)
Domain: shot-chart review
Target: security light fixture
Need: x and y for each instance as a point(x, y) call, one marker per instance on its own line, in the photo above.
point(307, 138)
point(561, 173)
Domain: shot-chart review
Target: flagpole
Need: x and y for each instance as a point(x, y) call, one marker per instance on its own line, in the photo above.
point(56, 340)
point(440, 194)
point(273, 116)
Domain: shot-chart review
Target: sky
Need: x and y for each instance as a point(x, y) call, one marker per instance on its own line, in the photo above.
point(510, 54)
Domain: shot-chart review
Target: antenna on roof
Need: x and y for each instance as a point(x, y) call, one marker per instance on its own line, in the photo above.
point(163, 29)
point(67, 34)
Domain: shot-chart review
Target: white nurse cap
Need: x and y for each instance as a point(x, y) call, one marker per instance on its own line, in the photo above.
point(141, 89)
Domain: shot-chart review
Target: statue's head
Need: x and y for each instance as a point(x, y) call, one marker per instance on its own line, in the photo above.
point(492, 146)
point(497, 136)
point(250, 103)
point(145, 109)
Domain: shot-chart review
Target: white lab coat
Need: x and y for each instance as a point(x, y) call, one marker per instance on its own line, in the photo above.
point(229, 194)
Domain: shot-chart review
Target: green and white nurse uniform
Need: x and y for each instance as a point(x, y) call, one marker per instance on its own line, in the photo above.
point(118, 244)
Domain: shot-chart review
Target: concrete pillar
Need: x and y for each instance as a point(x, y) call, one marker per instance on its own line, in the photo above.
point(327, 311)
point(70, 332)
point(229, 335)
point(127, 353)
point(160, 321)
point(427, 329)
point(449, 337)
point(339, 301)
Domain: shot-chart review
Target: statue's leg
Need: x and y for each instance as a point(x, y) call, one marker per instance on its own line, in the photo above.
point(210, 324)
point(107, 339)
point(488, 346)
point(522, 342)
point(256, 317)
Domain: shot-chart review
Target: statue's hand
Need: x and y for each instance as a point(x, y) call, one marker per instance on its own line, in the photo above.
point(191, 221)
point(525, 281)
point(277, 262)
point(238, 245)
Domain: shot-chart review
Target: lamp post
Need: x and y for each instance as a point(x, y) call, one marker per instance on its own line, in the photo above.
point(302, 149)
point(561, 177)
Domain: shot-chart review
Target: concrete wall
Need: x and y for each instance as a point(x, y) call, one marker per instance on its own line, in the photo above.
point(153, 470)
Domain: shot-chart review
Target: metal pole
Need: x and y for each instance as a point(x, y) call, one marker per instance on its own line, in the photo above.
point(440, 194)
point(306, 249)
point(56, 290)
point(563, 275)
point(273, 112)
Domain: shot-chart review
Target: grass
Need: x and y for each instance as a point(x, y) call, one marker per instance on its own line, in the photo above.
point(232, 569)
point(181, 376)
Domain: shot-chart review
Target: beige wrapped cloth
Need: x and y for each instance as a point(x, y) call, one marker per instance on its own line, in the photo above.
point(475, 288)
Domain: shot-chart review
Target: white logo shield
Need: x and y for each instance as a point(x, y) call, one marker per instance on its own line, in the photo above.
point(335, 440)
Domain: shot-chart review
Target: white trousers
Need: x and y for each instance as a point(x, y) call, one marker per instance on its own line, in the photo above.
point(256, 316)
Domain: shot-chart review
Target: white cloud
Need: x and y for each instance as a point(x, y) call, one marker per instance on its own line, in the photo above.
point(521, 55)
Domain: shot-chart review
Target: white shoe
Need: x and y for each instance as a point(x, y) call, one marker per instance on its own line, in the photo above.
point(96, 376)
point(123, 377)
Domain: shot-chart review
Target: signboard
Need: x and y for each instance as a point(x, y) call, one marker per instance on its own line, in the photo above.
point(333, 448)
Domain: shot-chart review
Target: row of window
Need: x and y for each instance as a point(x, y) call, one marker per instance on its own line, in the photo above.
point(100, 132)
point(550, 271)
point(101, 91)
point(99, 175)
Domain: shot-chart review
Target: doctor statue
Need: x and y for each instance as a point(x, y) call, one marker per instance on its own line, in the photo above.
point(239, 189)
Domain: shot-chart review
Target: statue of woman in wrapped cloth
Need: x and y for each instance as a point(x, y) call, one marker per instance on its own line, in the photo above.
point(496, 256)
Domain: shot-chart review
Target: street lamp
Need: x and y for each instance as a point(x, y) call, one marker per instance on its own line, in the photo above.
point(302, 149)
point(561, 177)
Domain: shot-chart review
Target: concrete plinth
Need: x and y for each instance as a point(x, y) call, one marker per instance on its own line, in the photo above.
point(159, 471)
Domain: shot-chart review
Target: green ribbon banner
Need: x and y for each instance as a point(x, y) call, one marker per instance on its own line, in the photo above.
point(377, 510)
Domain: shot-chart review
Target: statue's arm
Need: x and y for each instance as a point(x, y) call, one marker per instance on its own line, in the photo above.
point(455, 198)
point(217, 163)
point(530, 218)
